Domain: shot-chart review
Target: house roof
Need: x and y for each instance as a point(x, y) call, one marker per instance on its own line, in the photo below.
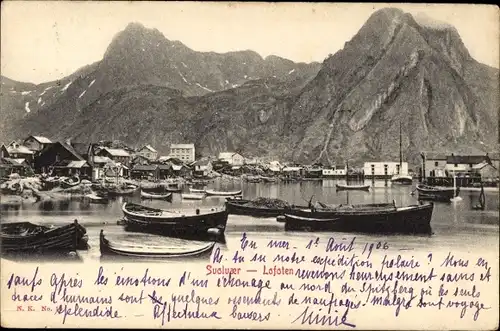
point(78, 164)
point(164, 166)
point(102, 159)
point(18, 149)
point(145, 167)
point(176, 167)
point(117, 152)
point(72, 151)
point(148, 147)
point(12, 162)
point(41, 139)
point(466, 159)
point(434, 155)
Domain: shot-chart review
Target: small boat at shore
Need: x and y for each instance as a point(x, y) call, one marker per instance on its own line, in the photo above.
point(193, 196)
point(114, 249)
point(167, 197)
point(223, 193)
point(120, 190)
point(195, 190)
point(365, 218)
point(196, 223)
point(69, 182)
point(26, 237)
point(436, 193)
point(344, 187)
point(173, 188)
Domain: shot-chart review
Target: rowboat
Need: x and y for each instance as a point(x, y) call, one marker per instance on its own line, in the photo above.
point(94, 198)
point(119, 191)
point(402, 179)
point(193, 196)
point(167, 197)
point(174, 223)
point(242, 207)
point(173, 188)
point(26, 237)
point(194, 190)
point(436, 193)
point(367, 218)
point(115, 249)
point(342, 187)
point(223, 193)
point(69, 182)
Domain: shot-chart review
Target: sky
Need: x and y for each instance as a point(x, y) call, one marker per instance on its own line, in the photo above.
point(46, 40)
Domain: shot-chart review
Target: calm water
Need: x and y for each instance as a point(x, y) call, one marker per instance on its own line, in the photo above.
point(455, 225)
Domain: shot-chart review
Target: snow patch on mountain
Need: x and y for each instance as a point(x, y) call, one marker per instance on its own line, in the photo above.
point(203, 87)
point(92, 83)
point(27, 107)
point(82, 94)
point(66, 87)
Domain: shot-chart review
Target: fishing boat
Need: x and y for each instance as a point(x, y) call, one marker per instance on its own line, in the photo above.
point(26, 237)
point(174, 223)
point(401, 177)
point(343, 187)
point(69, 182)
point(94, 198)
point(115, 249)
point(366, 218)
point(246, 207)
point(436, 193)
point(193, 196)
point(120, 190)
point(223, 193)
point(167, 197)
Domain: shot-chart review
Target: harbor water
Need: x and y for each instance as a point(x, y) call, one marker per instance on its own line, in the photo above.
point(455, 225)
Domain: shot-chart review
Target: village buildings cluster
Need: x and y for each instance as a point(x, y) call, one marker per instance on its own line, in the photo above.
point(37, 154)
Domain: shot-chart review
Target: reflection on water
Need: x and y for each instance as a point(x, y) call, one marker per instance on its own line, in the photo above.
point(454, 223)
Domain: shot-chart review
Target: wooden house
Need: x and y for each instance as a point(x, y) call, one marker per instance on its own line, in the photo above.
point(139, 159)
point(148, 171)
point(148, 153)
point(118, 155)
point(3, 151)
point(37, 143)
point(19, 151)
point(9, 166)
point(58, 158)
point(234, 159)
point(202, 168)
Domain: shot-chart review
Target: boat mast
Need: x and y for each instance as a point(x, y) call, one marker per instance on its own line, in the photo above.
point(400, 151)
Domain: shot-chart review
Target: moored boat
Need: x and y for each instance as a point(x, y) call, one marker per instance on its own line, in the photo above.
point(69, 182)
point(402, 179)
point(436, 193)
point(108, 248)
point(362, 187)
point(120, 190)
point(94, 198)
point(368, 218)
point(195, 190)
point(223, 193)
point(167, 197)
point(173, 188)
point(26, 237)
point(193, 196)
point(247, 207)
point(175, 223)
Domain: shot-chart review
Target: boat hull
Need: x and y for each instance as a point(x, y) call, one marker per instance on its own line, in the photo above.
point(42, 239)
point(222, 194)
point(150, 196)
point(237, 207)
point(412, 219)
point(192, 226)
point(435, 194)
point(108, 250)
point(341, 187)
point(402, 180)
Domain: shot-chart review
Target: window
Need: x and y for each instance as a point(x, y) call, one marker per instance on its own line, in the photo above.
point(456, 165)
point(385, 169)
point(470, 165)
point(436, 163)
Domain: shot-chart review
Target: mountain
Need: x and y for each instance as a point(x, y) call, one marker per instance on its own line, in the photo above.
point(397, 70)
point(140, 56)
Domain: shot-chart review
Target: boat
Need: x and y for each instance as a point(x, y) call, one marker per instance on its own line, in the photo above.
point(174, 223)
point(26, 237)
point(173, 188)
point(194, 190)
point(342, 187)
point(269, 179)
point(108, 248)
point(242, 207)
point(94, 198)
point(167, 197)
point(223, 193)
point(120, 190)
point(436, 193)
point(400, 177)
point(365, 218)
point(193, 196)
point(69, 182)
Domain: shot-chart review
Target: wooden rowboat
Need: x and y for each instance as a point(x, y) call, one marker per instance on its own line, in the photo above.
point(196, 223)
point(193, 196)
point(242, 207)
point(223, 193)
point(69, 182)
point(436, 193)
point(94, 198)
point(113, 249)
point(25, 237)
point(167, 197)
point(369, 218)
point(342, 187)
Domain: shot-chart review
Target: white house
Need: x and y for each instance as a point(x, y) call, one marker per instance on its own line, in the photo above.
point(333, 172)
point(202, 167)
point(148, 152)
point(234, 159)
point(384, 169)
point(183, 152)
